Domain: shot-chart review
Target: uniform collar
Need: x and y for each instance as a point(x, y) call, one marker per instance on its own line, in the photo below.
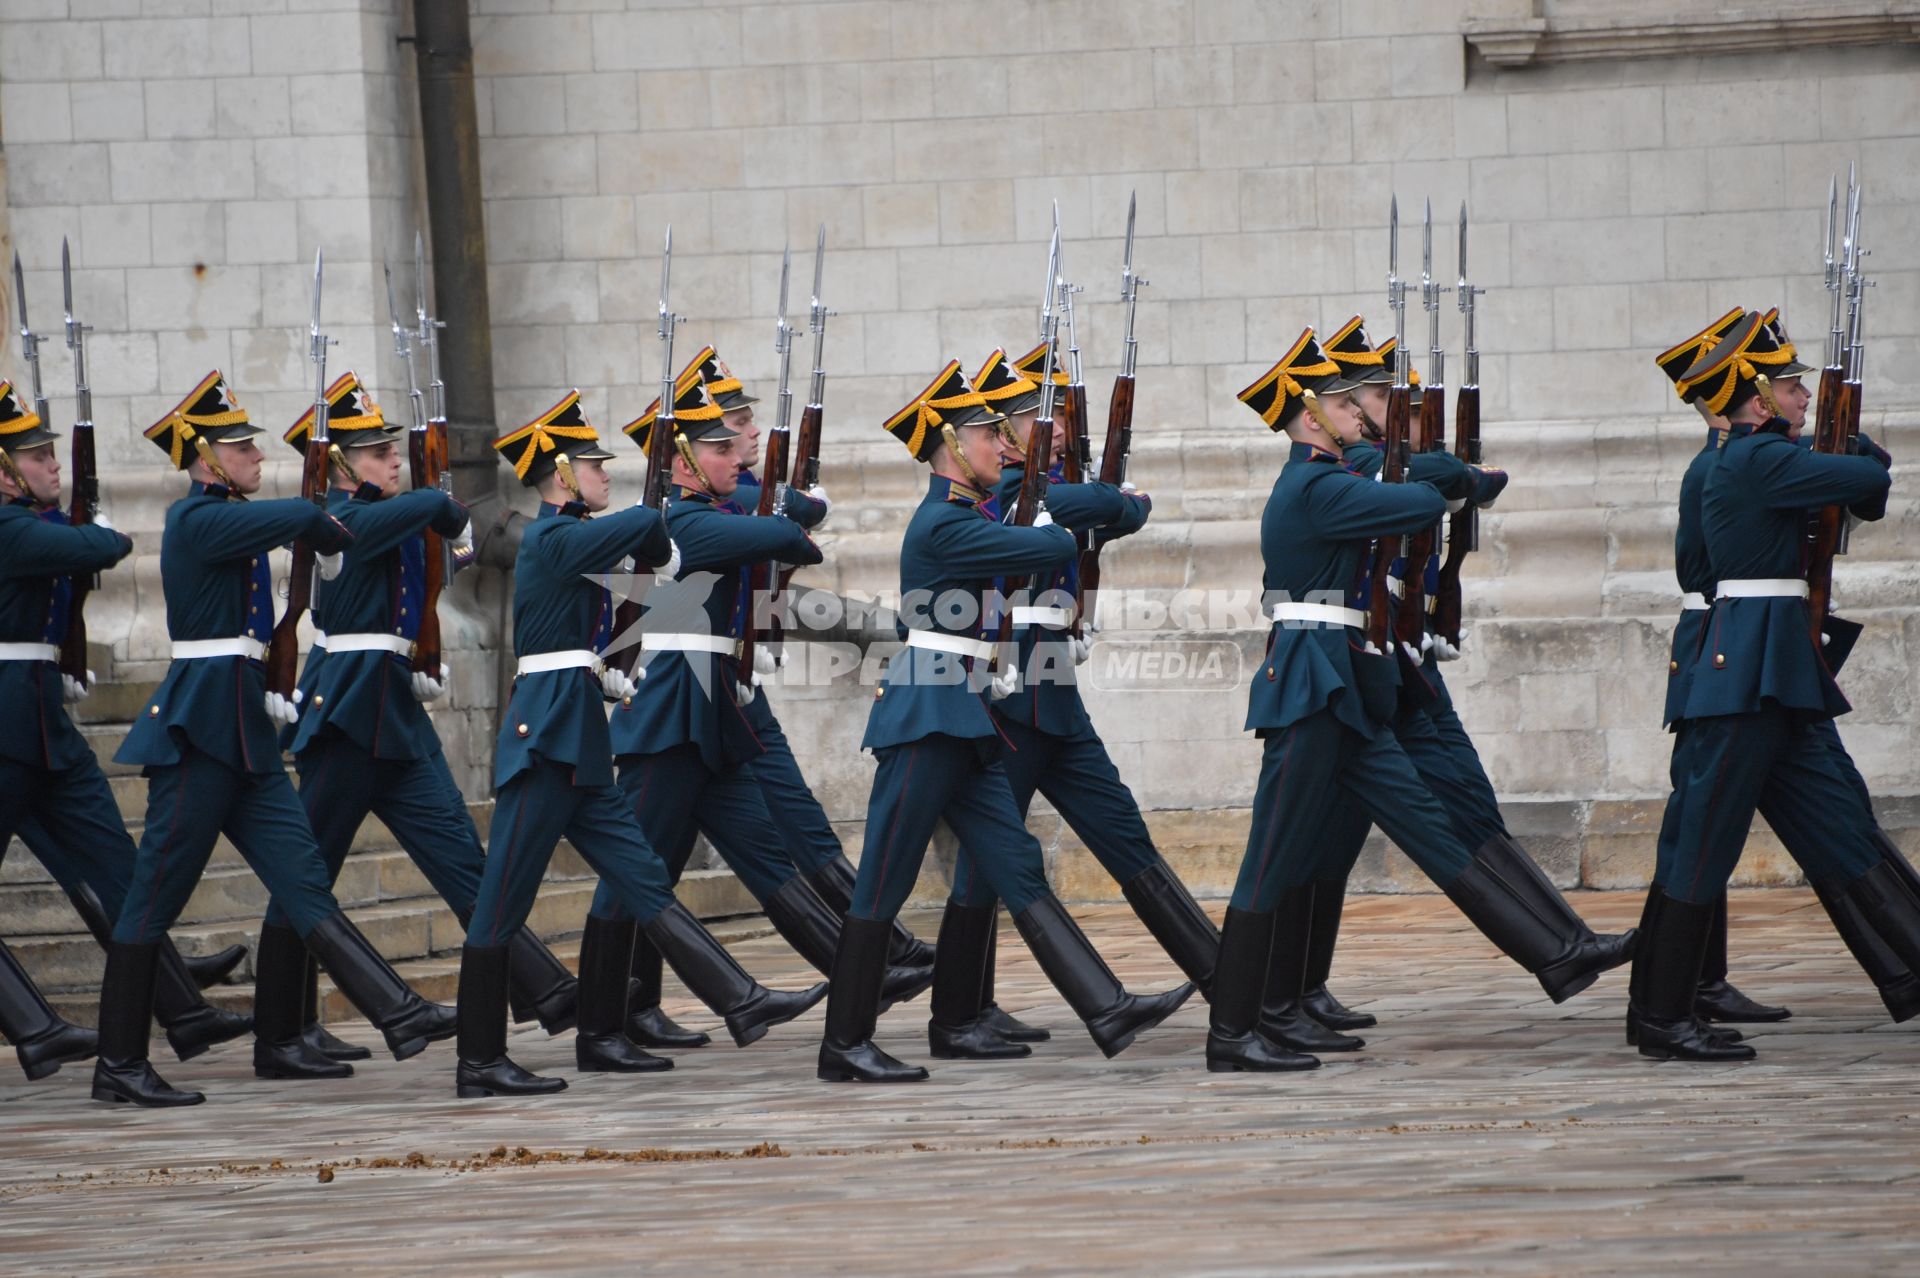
point(940, 488)
point(1298, 451)
point(359, 492)
point(1774, 426)
point(681, 493)
point(28, 502)
point(220, 491)
point(1716, 438)
point(572, 510)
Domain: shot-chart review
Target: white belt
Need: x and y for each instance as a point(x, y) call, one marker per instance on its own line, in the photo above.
point(959, 645)
point(1762, 588)
point(1331, 614)
point(200, 649)
point(398, 645)
point(547, 662)
point(1058, 618)
point(29, 652)
point(723, 645)
point(1694, 601)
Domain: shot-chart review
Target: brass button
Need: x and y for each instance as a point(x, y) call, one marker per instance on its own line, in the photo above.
point(319, 700)
point(1672, 667)
point(879, 693)
point(153, 712)
point(1719, 660)
point(626, 703)
point(522, 730)
point(403, 612)
point(1270, 675)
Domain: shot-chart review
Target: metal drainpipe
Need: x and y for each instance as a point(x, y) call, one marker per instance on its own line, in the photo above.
point(450, 142)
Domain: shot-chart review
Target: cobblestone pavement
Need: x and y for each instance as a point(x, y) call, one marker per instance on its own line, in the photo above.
point(1482, 1130)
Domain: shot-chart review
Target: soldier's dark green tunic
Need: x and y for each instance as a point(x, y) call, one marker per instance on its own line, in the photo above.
point(204, 740)
point(364, 744)
point(930, 728)
point(683, 742)
point(1757, 685)
point(1324, 746)
point(553, 762)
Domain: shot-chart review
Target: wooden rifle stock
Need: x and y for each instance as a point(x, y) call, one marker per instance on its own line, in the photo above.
point(1113, 470)
point(1033, 491)
point(427, 461)
point(1463, 528)
point(1836, 426)
point(1411, 621)
point(806, 466)
point(80, 512)
point(626, 614)
point(1393, 460)
point(283, 651)
point(772, 476)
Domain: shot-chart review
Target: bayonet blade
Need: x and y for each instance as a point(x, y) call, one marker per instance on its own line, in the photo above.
point(1463, 248)
point(319, 263)
point(819, 262)
point(1126, 262)
point(393, 307)
point(20, 297)
point(786, 269)
point(1393, 236)
point(420, 279)
point(1426, 245)
point(66, 280)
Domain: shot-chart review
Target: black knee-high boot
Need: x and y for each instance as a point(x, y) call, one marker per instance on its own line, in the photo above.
point(1891, 904)
point(1113, 1017)
point(407, 1021)
point(1898, 988)
point(1176, 920)
point(484, 1068)
point(1637, 978)
point(42, 1040)
point(123, 1074)
point(1235, 1040)
point(602, 1045)
point(992, 1015)
point(1668, 972)
point(1514, 905)
point(193, 1025)
point(204, 970)
point(958, 1028)
point(749, 1008)
point(647, 1025)
point(539, 986)
point(1717, 999)
point(317, 1036)
point(847, 1050)
point(281, 970)
point(1283, 1016)
point(812, 927)
point(1323, 935)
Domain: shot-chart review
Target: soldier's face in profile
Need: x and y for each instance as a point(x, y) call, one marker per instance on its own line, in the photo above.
point(1372, 401)
point(740, 422)
point(1344, 415)
point(241, 461)
point(1019, 429)
point(40, 467)
point(720, 463)
point(378, 465)
point(980, 445)
point(1792, 395)
point(595, 485)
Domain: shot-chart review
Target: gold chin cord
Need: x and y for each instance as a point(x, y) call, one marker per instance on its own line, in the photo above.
point(1764, 386)
point(563, 469)
point(204, 451)
point(684, 447)
point(13, 473)
point(338, 460)
point(953, 446)
point(1311, 402)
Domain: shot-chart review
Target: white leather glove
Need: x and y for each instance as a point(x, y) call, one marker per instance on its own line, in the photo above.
point(764, 662)
point(330, 565)
point(73, 689)
point(743, 693)
point(668, 571)
point(465, 540)
point(100, 520)
point(430, 687)
point(1444, 651)
point(617, 685)
point(281, 710)
point(1082, 648)
point(819, 494)
point(1426, 641)
point(1127, 487)
point(1005, 680)
point(1456, 504)
point(1043, 520)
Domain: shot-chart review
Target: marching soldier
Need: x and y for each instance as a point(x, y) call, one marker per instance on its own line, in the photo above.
point(1429, 731)
point(1323, 705)
point(1718, 1000)
point(206, 743)
point(1053, 748)
point(364, 743)
point(1756, 687)
point(682, 739)
point(938, 749)
point(52, 791)
point(553, 769)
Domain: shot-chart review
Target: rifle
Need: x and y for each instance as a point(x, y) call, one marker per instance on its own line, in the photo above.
point(1039, 455)
point(1411, 622)
point(626, 615)
point(1837, 425)
point(1119, 441)
point(426, 452)
point(283, 651)
point(1393, 458)
point(1463, 530)
point(85, 504)
point(773, 476)
point(806, 447)
point(30, 351)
